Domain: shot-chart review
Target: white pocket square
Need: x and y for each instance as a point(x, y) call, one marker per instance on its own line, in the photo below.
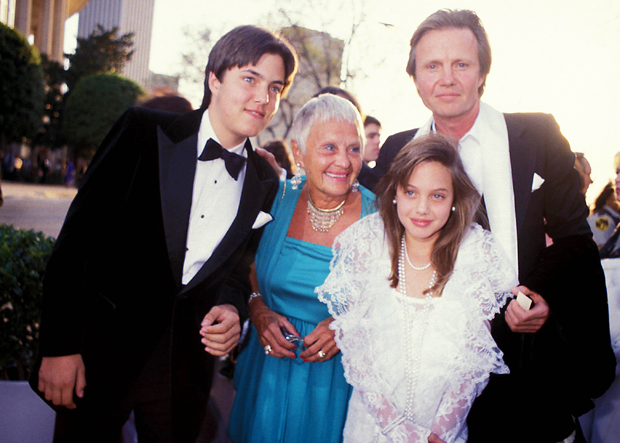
point(261, 220)
point(537, 182)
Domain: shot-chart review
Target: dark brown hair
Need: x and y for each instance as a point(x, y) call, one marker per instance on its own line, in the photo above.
point(245, 45)
point(429, 148)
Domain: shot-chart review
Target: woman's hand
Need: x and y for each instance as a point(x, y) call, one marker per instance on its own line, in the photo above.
point(320, 343)
point(268, 324)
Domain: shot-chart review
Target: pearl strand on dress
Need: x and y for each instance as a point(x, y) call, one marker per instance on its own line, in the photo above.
point(411, 371)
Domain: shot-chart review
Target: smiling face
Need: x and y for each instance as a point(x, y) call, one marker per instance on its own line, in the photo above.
point(245, 100)
point(332, 160)
point(448, 73)
point(424, 206)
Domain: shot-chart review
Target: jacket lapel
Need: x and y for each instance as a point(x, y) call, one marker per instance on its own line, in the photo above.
point(177, 167)
point(522, 167)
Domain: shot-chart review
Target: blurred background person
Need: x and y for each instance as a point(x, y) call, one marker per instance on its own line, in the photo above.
point(372, 128)
point(605, 215)
point(167, 100)
point(281, 152)
point(585, 171)
point(295, 391)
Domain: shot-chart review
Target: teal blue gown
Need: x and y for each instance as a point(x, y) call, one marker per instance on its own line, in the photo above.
point(288, 400)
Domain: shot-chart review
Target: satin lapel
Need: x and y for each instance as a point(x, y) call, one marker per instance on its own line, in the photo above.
point(522, 167)
point(253, 196)
point(177, 167)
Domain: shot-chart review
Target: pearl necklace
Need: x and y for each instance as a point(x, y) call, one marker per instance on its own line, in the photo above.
point(411, 371)
point(323, 219)
point(421, 268)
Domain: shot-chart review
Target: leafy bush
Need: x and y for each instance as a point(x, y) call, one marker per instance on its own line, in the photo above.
point(92, 108)
point(23, 257)
point(22, 89)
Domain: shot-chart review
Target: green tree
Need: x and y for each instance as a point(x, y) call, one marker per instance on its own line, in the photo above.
point(50, 133)
point(102, 51)
point(96, 102)
point(21, 87)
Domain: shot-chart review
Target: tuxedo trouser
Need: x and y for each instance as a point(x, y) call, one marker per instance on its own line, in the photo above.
point(149, 398)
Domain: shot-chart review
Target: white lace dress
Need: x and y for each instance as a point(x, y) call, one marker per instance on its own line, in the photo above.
point(416, 365)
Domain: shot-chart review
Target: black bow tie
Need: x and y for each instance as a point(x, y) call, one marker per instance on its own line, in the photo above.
point(234, 162)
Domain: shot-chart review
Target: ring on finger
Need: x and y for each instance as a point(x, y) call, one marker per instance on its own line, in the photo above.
point(268, 349)
point(321, 354)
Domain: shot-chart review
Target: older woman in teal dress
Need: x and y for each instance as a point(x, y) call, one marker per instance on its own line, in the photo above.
point(294, 390)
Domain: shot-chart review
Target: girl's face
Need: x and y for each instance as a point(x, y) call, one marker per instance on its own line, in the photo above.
point(424, 206)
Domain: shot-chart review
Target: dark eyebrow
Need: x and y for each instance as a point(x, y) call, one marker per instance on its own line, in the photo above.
point(261, 76)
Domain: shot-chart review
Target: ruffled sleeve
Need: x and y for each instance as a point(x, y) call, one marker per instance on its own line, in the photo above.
point(483, 268)
point(357, 273)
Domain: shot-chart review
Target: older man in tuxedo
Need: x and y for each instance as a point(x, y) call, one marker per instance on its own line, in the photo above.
point(151, 266)
point(559, 350)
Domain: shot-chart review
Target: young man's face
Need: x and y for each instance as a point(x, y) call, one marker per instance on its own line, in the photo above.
point(246, 99)
point(373, 142)
point(448, 72)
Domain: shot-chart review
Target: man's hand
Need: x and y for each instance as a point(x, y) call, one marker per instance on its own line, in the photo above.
point(221, 330)
point(59, 376)
point(271, 159)
point(530, 321)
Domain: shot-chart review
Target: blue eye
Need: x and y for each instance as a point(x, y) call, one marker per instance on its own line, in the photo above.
point(356, 150)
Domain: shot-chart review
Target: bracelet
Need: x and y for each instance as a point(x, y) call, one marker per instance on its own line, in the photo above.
point(253, 295)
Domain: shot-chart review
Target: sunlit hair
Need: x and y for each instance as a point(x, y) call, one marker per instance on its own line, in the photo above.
point(321, 109)
point(459, 19)
point(430, 148)
point(243, 46)
point(335, 90)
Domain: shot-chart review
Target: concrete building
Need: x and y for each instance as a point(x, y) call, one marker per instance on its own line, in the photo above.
point(128, 16)
point(41, 21)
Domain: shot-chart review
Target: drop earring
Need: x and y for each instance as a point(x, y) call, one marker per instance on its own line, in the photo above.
point(296, 179)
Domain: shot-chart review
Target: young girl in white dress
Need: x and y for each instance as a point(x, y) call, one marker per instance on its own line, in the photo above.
point(412, 289)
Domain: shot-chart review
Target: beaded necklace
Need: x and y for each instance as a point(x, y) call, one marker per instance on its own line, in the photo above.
point(411, 315)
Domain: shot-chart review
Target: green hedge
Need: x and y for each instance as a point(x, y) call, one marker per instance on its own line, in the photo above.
point(23, 256)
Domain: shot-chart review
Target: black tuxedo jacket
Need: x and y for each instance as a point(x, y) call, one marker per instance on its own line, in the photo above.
point(555, 372)
point(112, 288)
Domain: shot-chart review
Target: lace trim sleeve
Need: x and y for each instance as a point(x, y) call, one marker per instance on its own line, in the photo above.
point(355, 250)
point(488, 272)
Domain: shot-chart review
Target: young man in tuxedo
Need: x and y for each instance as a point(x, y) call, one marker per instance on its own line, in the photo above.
point(159, 237)
point(558, 351)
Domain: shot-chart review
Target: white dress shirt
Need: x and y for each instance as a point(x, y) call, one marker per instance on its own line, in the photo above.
point(215, 203)
point(485, 154)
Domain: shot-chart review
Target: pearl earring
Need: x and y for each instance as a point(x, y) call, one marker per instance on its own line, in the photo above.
point(453, 209)
point(394, 201)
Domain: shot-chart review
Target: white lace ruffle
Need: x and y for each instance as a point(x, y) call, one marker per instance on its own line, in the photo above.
point(457, 352)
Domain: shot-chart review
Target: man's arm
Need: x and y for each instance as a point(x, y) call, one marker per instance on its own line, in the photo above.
point(568, 274)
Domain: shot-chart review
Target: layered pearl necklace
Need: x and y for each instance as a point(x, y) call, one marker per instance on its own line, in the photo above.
point(412, 315)
point(323, 219)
